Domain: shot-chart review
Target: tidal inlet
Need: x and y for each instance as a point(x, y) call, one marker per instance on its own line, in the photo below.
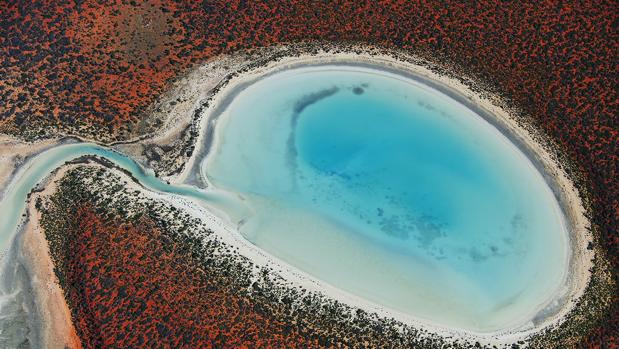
point(332, 198)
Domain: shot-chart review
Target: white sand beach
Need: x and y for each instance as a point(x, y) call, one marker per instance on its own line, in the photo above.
point(489, 107)
point(55, 316)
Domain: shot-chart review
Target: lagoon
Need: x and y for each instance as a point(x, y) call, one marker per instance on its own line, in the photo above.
point(390, 190)
point(371, 182)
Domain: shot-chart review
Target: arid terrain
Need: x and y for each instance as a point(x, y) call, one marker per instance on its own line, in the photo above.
point(98, 72)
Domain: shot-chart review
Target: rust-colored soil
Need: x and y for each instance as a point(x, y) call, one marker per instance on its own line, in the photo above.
point(76, 66)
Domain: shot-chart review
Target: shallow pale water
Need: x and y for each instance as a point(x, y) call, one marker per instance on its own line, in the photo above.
point(14, 200)
point(386, 188)
point(16, 315)
point(392, 192)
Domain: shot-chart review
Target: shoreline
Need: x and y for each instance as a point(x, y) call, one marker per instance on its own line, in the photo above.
point(14, 153)
point(568, 194)
point(56, 328)
point(577, 274)
point(33, 284)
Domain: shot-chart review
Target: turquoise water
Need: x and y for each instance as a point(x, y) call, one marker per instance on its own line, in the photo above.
point(388, 189)
point(34, 171)
point(15, 314)
point(375, 184)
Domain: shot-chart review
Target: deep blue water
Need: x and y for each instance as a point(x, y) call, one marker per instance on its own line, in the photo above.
point(394, 192)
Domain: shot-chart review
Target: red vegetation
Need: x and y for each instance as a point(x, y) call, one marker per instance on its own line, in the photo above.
point(70, 63)
point(147, 293)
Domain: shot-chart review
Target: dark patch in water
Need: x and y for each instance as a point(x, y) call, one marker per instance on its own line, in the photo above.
point(477, 256)
point(312, 98)
point(429, 229)
point(358, 90)
point(297, 109)
point(393, 227)
point(518, 223)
